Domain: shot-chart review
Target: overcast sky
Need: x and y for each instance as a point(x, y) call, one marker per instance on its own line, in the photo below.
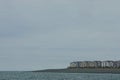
point(43, 34)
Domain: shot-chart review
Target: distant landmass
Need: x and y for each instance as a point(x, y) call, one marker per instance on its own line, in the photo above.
point(89, 67)
point(82, 70)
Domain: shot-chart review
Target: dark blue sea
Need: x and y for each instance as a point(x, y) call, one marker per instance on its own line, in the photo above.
point(56, 76)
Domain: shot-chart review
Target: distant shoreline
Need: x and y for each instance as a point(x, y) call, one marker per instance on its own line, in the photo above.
point(83, 70)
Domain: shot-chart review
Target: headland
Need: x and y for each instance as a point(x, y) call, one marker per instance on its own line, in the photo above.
point(89, 67)
point(82, 70)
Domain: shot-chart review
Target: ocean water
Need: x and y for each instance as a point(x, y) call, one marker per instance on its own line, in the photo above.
point(56, 76)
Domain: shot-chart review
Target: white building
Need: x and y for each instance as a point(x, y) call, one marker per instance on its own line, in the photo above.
point(82, 64)
point(74, 64)
point(95, 64)
point(98, 64)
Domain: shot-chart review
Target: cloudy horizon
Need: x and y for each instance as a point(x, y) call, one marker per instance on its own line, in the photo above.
point(44, 34)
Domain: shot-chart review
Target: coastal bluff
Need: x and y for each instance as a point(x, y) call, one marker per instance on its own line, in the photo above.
point(89, 67)
point(82, 70)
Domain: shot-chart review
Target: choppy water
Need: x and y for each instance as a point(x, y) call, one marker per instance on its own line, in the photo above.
point(56, 76)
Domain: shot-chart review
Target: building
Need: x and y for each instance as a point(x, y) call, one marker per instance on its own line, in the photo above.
point(91, 64)
point(95, 64)
point(110, 64)
point(74, 64)
point(82, 64)
point(98, 64)
point(107, 64)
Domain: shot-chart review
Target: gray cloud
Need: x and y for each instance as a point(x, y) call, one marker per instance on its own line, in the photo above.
point(39, 34)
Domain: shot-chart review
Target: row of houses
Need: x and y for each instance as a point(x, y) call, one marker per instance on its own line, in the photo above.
point(95, 64)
